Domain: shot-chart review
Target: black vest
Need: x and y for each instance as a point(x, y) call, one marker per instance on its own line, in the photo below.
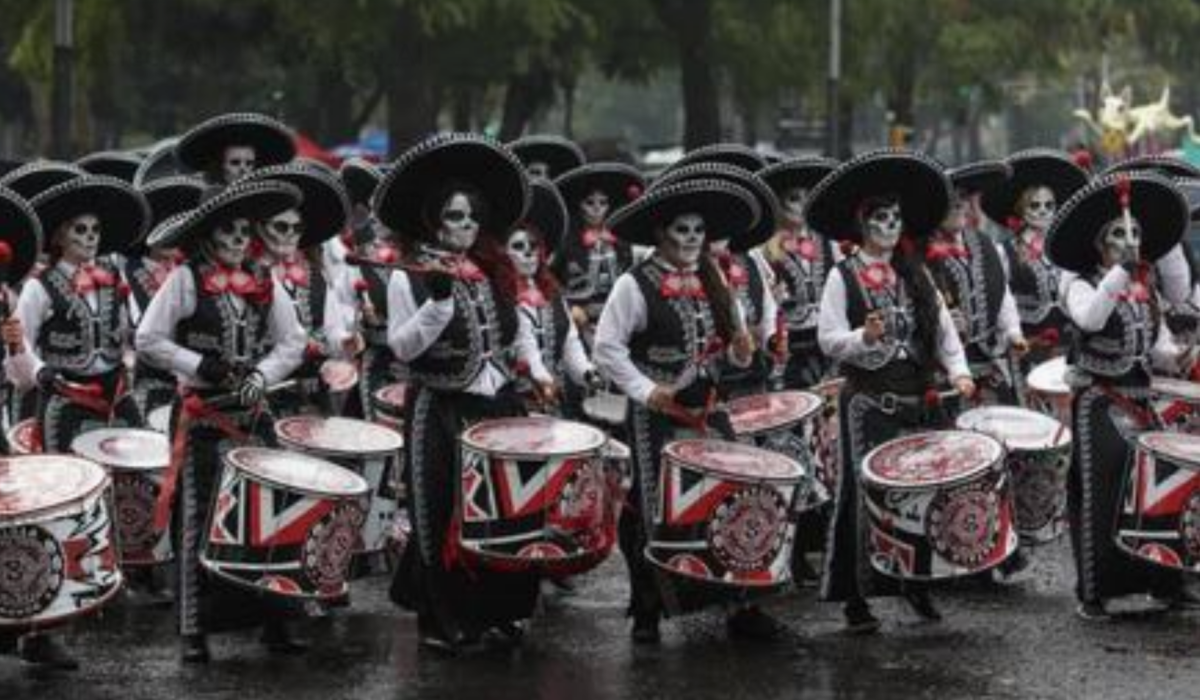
point(218, 328)
point(310, 300)
point(677, 331)
point(1123, 345)
point(550, 323)
point(975, 286)
point(139, 273)
point(897, 363)
point(75, 336)
point(1034, 285)
point(376, 279)
point(746, 282)
point(588, 274)
point(802, 304)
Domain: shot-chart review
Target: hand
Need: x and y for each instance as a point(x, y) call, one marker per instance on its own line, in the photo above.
point(874, 328)
point(13, 334)
point(440, 284)
point(743, 348)
point(661, 399)
point(959, 320)
point(593, 380)
point(354, 345)
point(253, 389)
point(1019, 347)
point(580, 316)
point(694, 395)
point(213, 370)
point(46, 377)
point(965, 386)
point(547, 393)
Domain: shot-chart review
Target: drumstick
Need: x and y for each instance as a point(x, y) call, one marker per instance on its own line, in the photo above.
point(230, 399)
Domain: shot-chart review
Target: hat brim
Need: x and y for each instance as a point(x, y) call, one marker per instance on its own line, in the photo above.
point(118, 164)
point(801, 173)
point(619, 182)
point(360, 178)
point(915, 179)
point(1155, 202)
point(21, 232)
point(1163, 165)
point(160, 162)
point(559, 154)
point(168, 197)
point(34, 178)
point(1190, 187)
point(325, 208)
point(255, 201)
point(201, 147)
point(423, 171)
point(122, 211)
point(547, 213)
point(734, 154)
point(974, 178)
point(1033, 168)
point(768, 203)
point(725, 207)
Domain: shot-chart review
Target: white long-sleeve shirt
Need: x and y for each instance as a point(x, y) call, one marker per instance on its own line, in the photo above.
point(1089, 307)
point(574, 358)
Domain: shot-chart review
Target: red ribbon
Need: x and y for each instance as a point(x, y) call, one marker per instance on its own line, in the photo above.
point(940, 250)
point(805, 247)
point(681, 284)
point(226, 280)
point(594, 236)
point(89, 278)
point(877, 276)
point(295, 273)
point(530, 295)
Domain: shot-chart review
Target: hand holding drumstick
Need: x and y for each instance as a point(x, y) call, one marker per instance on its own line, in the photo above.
point(874, 328)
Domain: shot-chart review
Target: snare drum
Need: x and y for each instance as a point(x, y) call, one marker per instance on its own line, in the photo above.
point(1038, 459)
point(1048, 390)
point(1159, 520)
point(159, 420)
point(724, 514)
point(1176, 402)
point(23, 438)
point(137, 461)
point(370, 450)
point(284, 523)
point(826, 452)
point(938, 505)
point(389, 406)
point(785, 422)
point(606, 408)
point(57, 555)
point(534, 495)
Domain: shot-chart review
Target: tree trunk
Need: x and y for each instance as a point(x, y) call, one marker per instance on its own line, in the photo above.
point(846, 129)
point(411, 97)
point(691, 23)
point(335, 117)
point(527, 92)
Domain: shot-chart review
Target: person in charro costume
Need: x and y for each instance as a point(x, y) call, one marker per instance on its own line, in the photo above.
point(884, 323)
point(122, 165)
point(669, 326)
point(1025, 204)
point(800, 260)
point(227, 147)
point(590, 258)
point(547, 156)
point(228, 332)
point(455, 326)
point(1109, 235)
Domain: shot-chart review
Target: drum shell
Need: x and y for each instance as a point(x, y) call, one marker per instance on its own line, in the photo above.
point(23, 438)
point(389, 411)
point(1177, 404)
point(795, 438)
point(1159, 519)
point(826, 439)
point(1047, 391)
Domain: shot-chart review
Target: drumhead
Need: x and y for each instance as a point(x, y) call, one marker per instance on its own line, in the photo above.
point(830, 388)
point(124, 448)
point(1018, 428)
point(340, 436)
point(391, 395)
point(535, 436)
point(31, 484)
point(931, 459)
point(606, 407)
point(339, 375)
point(297, 472)
point(1050, 377)
point(760, 413)
point(160, 420)
point(734, 460)
point(1176, 388)
point(1183, 448)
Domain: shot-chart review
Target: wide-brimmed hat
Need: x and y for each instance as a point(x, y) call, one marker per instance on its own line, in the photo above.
point(122, 210)
point(255, 200)
point(202, 146)
point(122, 165)
point(168, 197)
point(621, 183)
point(159, 162)
point(727, 210)
point(981, 176)
point(360, 178)
point(917, 180)
point(803, 173)
point(325, 209)
point(34, 178)
point(1190, 187)
point(768, 203)
point(1037, 167)
point(20, 237)
point(547, 213)
point(403, 200)
point(1154, 201)
point(729, 153)
point(558, 153)
point(1161, 164)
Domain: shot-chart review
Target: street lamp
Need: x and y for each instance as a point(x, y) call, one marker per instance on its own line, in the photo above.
point(61, 98)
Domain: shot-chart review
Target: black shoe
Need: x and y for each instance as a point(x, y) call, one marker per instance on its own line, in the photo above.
point(278, 640)
point(1092, 611)
point(804, 574)
point(439, 643)
point(751, 623)
point(859, 620)
point(46, 651)
point(645, 629)
point(1010, 568)
point(922, 605)
point(505, 635)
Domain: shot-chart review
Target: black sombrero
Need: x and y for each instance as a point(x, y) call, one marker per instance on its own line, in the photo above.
point(764, 196)
point(122, 165)
point(1190, 187)
point(170, 196)
point(982, 176)
point(727, 209)
point(254, 200)
point(621, 183)
point(160, 162)
point(422, 172)
point(121, 209)
point(1154, 201)
point(1036, 167)
point(33, 178)
point(547, 213)
point(729, 153)
point(558, 153)
point(325, 209)
point(916, 179)
point(1161, 164)
point(20, 237)
point(360, 177)
point(202, 146)
point(803, 173)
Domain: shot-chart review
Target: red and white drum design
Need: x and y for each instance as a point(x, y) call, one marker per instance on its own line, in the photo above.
point(785, 422)
point(938, 505)
point(24, 439)
point(58, 559)
point(389, 405)
point(284, 523)
point(827, 451)
point(1159, 519)
point(1038, 459)
point(1048, 389)
point(137, 461)
point(1177, 403)
point(724, 514)
point(536, 495)
point(159, 420)
point(371, 450)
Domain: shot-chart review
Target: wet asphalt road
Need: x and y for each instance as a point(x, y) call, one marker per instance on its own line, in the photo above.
point(1013, 641)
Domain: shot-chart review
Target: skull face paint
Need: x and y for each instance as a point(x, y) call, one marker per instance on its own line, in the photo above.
point(1120, 241)
point(79, 239)
point(793, 206)
point(228, 243)
point(522, 249)
point(883, 225)
point(236, 162)
point(683, 240)
point(594, 208)
point(538, 169)
point(1040, 207)
point(281, 234)
point(460, 226)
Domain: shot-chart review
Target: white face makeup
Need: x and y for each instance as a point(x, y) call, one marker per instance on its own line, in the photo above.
point(460, 227)
point(793, 206)
point(79, 239)
point(229, 242)
point(594, 208)
point(884, 225)
point(523, 252)
point(538, 169)
point(1120, 241)
point(281, 234)
point(1040, 208)
point(237, 162)
point(683, 241)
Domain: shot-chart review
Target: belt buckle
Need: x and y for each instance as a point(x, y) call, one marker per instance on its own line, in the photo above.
point(888, 402)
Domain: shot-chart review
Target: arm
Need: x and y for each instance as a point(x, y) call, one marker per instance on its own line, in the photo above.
point(33, 308)
point(624, 314)
point(1089, 307)
point(1167, 355)
point(1175, 275)
point(412, 330)
point(1009, 320)
point(288, 339)
point(837, 340)
point(155, 335)
point(527, 348)
point(574, 356)
point(950, 351)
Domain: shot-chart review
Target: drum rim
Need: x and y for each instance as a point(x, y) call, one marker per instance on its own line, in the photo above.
point(378, 398)
point(1143, 443)
point(309, 491)
point(1065, 435)
point(246, 585)
point(69, 617)
point(132, 466)
point(613, 441)
point(1162, 385)
point(818, 404)
point(534, 564)
point(63, 506)
point(1040, 387)
point(465, 441)
point(786, 580)
point(801, 474)
point(311, 449)
point(868, 477)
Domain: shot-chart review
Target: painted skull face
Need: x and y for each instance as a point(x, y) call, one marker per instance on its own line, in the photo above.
point(594, 208)
point(522, 250)
point(1040, 207)
point(683, 241)
point(1121, 241)
point(460, 226)
point(281, 234)
point(229, 242)
point(538, 169)
point(236, 162)
point(79, 239)
point(793, 206)
point(883, 225)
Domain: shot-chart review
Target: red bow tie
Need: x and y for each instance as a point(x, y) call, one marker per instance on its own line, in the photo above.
point(945, 250)
point(1137, 292)
point(159, 273)
point(227, 280)
point(467, 271)
point(1034, 247)
point(295, 273)
point(877, 276)
point(89, 278)
point(531, 296)
point(594, 236)
point(681, 284)
point(735, 272)
point(384, 253)
point(804, 247)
